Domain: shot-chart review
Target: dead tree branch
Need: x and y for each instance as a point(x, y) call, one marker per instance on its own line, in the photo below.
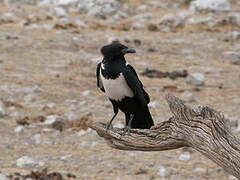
point(202, 128)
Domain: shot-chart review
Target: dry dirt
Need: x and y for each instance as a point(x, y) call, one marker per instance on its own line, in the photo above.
point(45, 72)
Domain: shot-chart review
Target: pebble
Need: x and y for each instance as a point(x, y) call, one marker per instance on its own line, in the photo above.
point(235, 35)
point(56, 2)
point(200, 170)
point(138, 26)
point(234, 18)
point(19, 129)
point(184, 156)
point(187, 97)
point(27, 162)
point(143, 8)
point(175, 19)
point(234, 57)
point(84, 132)
point(3, 177)
point(216, 5)
point(86, 93)
point(162, 172)
point(209, 20)
point(2, 110)
point(7, 18)
point(197, 79)
point(145, 16)
point(66, 157)
point(80, 24)
point(51, 119)
point(37, 138)
point(60, 12)
point(99, 8)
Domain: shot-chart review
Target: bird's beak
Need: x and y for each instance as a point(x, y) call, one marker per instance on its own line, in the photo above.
point(128, 50)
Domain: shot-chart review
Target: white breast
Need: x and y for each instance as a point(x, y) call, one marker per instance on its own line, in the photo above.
point(116, 89)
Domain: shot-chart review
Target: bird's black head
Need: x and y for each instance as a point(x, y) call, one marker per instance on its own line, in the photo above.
point(115, 50)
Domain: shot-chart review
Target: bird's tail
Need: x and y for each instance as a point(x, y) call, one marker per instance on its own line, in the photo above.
point(142, 119)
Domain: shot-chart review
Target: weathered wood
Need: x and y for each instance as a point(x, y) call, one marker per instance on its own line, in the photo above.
point(202, 128)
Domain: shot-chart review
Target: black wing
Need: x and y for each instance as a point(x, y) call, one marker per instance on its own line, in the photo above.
point(135, 85)
point(146, 96)
point(99, 81)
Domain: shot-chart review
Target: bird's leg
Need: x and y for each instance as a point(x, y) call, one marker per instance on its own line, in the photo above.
point(109, 124)
point(128, 126)
point(115, 110)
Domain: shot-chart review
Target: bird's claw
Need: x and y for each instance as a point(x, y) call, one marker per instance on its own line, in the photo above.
point(126, 130)
point(109, 126)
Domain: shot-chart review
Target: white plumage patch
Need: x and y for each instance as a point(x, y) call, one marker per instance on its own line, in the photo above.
point(116, 89)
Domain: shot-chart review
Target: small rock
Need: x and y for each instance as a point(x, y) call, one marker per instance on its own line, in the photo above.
point(143, 8)
point(187, 97)
point(153, 73)
point(2, 110)
point(83, 132)
point(29, 98)
point(152, 27)
point(3, 177)
point(208, 20)
point(137, 42)
point(56, 2)
point(59, 125)
point(19, 129)
point(138, 26)
point(184, 156)
point(200, 170)
point(175, 19)
point(66, 157)
point(60, 12)
point(234, 57)
point(99, 8)
point(80, 24)
point(86, 93)
point(24, 121)
point(141, 171)
point(7, 18)
point(145, 16)
point(26, 162)
point(196, 79)
point(162, 172)
point(65, 24)
point(37, 138)
point(234, 18)
point(235, 35)
point(51, 119)
point(72, 116)
point(117, 17)
point(216, 5)
point(157, 4)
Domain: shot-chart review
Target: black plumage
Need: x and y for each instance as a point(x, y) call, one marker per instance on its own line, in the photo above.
point(121, 84)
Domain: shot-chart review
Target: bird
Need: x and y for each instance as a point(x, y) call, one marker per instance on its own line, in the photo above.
point(120, 82)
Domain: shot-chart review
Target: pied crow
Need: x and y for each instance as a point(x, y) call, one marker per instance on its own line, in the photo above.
point(120, 82)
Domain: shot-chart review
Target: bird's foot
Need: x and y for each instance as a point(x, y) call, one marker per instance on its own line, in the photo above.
point(126, 129)
point(109, 126)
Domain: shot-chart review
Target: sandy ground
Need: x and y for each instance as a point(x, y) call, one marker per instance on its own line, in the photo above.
point(52, 72)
